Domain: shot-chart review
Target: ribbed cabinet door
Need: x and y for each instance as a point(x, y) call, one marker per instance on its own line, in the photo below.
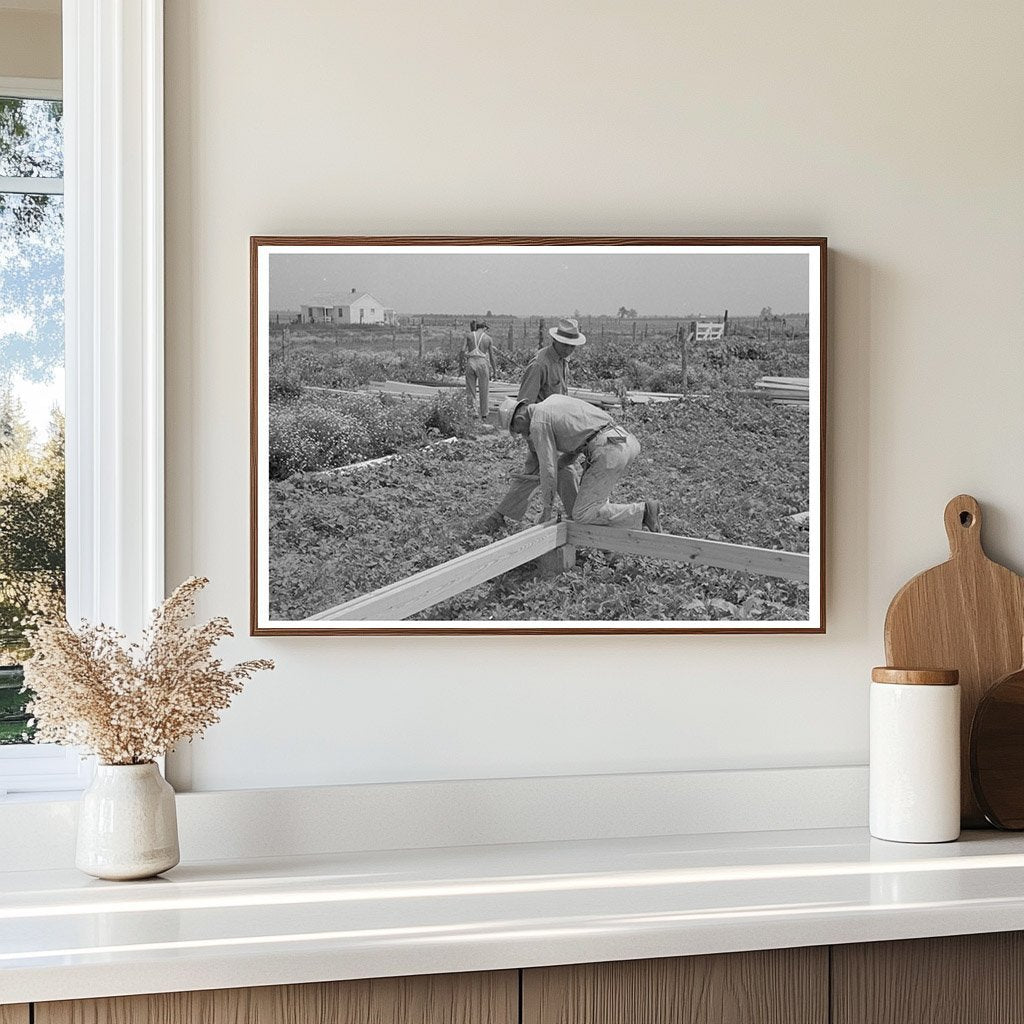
point(14, 1014)
point(961, 979)
point(483, 998)
point(777, 986)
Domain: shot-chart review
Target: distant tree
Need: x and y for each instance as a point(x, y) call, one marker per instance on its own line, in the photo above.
point(488, 313)
point(622, 313)
point(632, 314)
point(32, 547)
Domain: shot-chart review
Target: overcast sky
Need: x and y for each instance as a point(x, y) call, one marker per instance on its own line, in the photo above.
point(668, 283)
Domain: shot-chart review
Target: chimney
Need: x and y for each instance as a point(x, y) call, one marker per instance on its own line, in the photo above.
point(353, 291)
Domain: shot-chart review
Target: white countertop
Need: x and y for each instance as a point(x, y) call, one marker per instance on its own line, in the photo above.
point(227, 924)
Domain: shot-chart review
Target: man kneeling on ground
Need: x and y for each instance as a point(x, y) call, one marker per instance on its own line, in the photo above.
point(559, 430)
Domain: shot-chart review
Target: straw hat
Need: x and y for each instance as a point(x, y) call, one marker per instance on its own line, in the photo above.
point(568, 332)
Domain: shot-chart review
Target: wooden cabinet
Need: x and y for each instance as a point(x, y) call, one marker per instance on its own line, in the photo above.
point(777, 986)
point(967, 979)
point(491, 998)
point(962, 979)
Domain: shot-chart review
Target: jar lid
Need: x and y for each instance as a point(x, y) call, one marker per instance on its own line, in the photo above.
point(916, 676)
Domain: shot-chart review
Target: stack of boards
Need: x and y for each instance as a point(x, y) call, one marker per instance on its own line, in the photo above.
point(782, 390)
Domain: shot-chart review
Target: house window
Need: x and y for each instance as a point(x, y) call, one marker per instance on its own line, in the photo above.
point(32, 545)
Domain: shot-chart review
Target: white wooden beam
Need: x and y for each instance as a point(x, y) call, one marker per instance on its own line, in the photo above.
point(407, 597)
point(31, 88)
point(113, 115)
point(786, 565)
point(32, 186)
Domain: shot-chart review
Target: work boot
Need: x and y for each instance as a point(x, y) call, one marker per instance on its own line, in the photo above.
point(652, 516)
point(492, 523)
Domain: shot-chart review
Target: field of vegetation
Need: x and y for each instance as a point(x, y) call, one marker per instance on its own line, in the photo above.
point(726, 467)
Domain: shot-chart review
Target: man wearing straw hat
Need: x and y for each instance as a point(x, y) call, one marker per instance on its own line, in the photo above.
point(546, 375)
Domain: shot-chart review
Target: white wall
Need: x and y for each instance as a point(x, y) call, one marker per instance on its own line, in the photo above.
point(895, 129)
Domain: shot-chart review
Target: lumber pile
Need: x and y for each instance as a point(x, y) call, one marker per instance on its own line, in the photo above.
point(781, 390)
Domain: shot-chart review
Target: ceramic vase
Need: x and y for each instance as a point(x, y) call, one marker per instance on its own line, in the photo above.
point(127, 825)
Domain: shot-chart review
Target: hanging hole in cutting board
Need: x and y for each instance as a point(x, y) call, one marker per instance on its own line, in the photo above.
point(966, 519)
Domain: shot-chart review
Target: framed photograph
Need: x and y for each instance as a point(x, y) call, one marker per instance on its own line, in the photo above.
point(537, 435)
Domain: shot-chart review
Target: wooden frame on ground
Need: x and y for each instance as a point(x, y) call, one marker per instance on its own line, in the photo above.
point(386, 610)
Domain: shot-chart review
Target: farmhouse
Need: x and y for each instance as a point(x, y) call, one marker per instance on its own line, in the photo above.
point(357, 308)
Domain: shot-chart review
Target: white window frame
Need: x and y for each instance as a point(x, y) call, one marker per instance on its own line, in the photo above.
point(114, 325)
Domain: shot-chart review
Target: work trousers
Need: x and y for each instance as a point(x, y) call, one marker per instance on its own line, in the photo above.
point(478, 377)
point(513, 505)
point(608, 456)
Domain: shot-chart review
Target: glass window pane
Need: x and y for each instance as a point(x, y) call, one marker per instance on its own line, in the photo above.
point(31, 431)
point(31, 138)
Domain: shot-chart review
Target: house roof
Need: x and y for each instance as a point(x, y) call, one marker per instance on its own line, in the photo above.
point(345, 302)
point(358, 296)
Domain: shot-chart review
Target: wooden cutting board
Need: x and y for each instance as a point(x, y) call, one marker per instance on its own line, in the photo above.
point(967, 614)
point(997, 752)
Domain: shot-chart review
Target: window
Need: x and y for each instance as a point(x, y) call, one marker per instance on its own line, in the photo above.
point(32, 531)
point(113, 331)
point(31, 383)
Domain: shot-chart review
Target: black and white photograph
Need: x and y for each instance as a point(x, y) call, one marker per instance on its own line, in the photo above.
point(537, 435)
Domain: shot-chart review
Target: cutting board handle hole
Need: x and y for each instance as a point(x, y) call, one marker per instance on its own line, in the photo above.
point(966, 519)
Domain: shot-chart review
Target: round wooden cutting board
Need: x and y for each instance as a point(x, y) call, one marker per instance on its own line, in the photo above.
point(997, 752)
point(967, 614)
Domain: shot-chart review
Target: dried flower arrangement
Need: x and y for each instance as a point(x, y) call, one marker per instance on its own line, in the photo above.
point(130, 703)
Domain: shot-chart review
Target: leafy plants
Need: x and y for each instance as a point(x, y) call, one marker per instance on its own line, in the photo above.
point(316, 432)
point(723, 472)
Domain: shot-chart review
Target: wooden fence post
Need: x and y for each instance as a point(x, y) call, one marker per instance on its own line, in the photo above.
point(682, 349)
point(421, 337)
point(557, 561)
point(540, 332)
point(725, 324)
point(645, 331)
point(511, 340)
point(284, 348)
point(634, 332)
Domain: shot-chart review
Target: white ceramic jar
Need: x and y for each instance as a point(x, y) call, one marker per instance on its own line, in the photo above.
point(915, 755)
point(127, 823)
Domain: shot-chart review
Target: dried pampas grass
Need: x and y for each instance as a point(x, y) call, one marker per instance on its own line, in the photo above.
point(130, 703)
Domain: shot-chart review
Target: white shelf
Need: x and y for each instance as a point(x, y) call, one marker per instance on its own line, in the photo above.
point(353, 915)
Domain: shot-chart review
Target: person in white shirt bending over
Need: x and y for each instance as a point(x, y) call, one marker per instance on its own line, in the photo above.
point(479, 359)
point(559, 430)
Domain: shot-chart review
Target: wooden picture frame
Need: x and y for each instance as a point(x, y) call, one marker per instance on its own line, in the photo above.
point(312, 572)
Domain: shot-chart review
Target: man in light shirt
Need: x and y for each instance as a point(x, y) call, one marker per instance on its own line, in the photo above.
point(546, 375)
point(559, 430)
